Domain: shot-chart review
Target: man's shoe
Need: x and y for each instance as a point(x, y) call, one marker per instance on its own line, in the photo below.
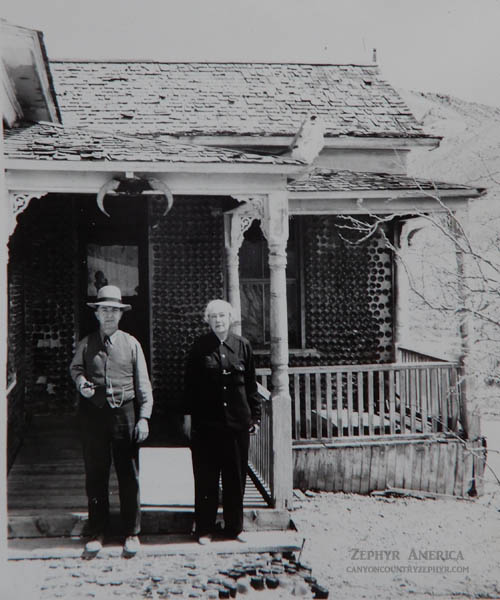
point(241, 537)
point(94, 545)
point(131, 545)
point(204, 540)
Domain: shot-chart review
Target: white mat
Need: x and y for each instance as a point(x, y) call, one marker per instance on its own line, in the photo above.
point(166, 477)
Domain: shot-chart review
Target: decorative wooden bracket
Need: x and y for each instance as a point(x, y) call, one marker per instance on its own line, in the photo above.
point(18, 203)
point(236, 222)
point(240, 219)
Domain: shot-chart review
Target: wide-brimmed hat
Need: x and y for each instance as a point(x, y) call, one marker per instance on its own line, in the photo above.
point(109, 295)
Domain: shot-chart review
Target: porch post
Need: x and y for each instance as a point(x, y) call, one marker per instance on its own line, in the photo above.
point(401, 288)
point(5, 217)
point(275, 229)
point(470, 415)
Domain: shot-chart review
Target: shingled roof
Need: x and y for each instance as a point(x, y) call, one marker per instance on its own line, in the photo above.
point(48, 141)
point(251, 99)
point(327, 180)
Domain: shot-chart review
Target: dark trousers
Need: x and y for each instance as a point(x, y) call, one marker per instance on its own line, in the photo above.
point(107, 436)
point(218, 452)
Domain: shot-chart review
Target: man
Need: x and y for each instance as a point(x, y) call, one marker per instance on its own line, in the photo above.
point(110, 372)
point(222, 399)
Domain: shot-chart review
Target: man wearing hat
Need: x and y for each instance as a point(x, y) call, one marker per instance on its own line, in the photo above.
point(110, 372)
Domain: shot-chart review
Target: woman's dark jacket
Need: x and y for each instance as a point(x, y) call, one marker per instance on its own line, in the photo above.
point(220, 386)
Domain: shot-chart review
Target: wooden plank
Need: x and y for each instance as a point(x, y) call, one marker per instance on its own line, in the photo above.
point(451, 463)
point(374, 466)
point(418, 458)
point(441, 468)
point(350, 411)
point(297, 456)
point(412, 399)
point(425, 468)
point(424, 393)
point(371, 429)
point(381, 401)
point(459, 471)
point(408, 466)
point(365, 470)
point(308, 405)
point(371, 367)
point(347, 461)
point(400, 465)
point(322, 459)
point(433, 466)
point(467, 479)
point(329, 405)
point(454, 409)
point(382, 468)
point(392, 402)
point(391, 465)
point(444, 398)
point(331, 469)
point(339, 473)
point(360, 403)
point(479, 466)
point(340, 425)
point(319, 420)
point(434, 400)
point(296, 397)
point(403, 390)
point(357, 460)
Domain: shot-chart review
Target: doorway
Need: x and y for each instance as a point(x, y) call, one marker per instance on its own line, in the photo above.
point(114, 250)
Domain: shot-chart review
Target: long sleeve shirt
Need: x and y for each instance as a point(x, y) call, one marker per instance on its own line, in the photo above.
point(220, 384)
point(118, 369)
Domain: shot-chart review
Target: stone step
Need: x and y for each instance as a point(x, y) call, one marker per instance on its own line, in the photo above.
point(155, 520)
point(156, 545)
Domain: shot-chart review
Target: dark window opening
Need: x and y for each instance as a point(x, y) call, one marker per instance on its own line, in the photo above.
point(255, 287)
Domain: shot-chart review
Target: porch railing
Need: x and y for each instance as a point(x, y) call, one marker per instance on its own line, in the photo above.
point(414, 398)
point(261, 448)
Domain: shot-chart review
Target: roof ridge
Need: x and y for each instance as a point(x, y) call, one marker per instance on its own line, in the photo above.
point(209, 62)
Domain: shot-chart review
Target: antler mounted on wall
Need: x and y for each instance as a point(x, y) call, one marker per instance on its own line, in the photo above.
point(135, 186)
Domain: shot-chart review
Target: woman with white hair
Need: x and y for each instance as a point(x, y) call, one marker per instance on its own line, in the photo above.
point(222, 399)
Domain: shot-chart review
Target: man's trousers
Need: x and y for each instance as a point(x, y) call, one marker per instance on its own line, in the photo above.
point(219, 452)
point(107, 436)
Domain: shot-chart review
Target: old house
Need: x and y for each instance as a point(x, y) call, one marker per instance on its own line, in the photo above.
point(182, 182)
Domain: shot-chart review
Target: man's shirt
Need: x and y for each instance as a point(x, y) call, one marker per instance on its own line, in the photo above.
point(117, 367)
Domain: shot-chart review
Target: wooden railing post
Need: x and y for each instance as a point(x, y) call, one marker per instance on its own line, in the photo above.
point(275, 229)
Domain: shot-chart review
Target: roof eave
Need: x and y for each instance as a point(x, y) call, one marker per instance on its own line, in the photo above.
point(331, 142)
point(388, 194)
point(100, 166)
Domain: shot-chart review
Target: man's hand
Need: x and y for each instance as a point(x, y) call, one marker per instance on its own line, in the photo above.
point(254, 429)
point(141, 430)
point(86, 389)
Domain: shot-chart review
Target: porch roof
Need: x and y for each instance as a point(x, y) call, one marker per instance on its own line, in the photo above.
point(231, 99)
point(53, 142)
point(320, 181)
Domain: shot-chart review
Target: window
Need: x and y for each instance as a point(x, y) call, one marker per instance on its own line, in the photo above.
point(255, 287)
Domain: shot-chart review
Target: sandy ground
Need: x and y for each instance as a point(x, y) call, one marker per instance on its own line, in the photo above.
point(357, 546)
point(342, 529)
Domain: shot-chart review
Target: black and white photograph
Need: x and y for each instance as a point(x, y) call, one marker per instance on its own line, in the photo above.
point(250, 299)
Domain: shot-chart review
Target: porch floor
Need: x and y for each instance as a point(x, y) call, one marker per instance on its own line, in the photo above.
point(46, 487)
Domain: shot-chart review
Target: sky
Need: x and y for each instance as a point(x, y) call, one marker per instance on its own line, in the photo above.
point(444, 46)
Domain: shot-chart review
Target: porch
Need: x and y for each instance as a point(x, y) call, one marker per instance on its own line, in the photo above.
point(399, 426)
point(46, 488)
